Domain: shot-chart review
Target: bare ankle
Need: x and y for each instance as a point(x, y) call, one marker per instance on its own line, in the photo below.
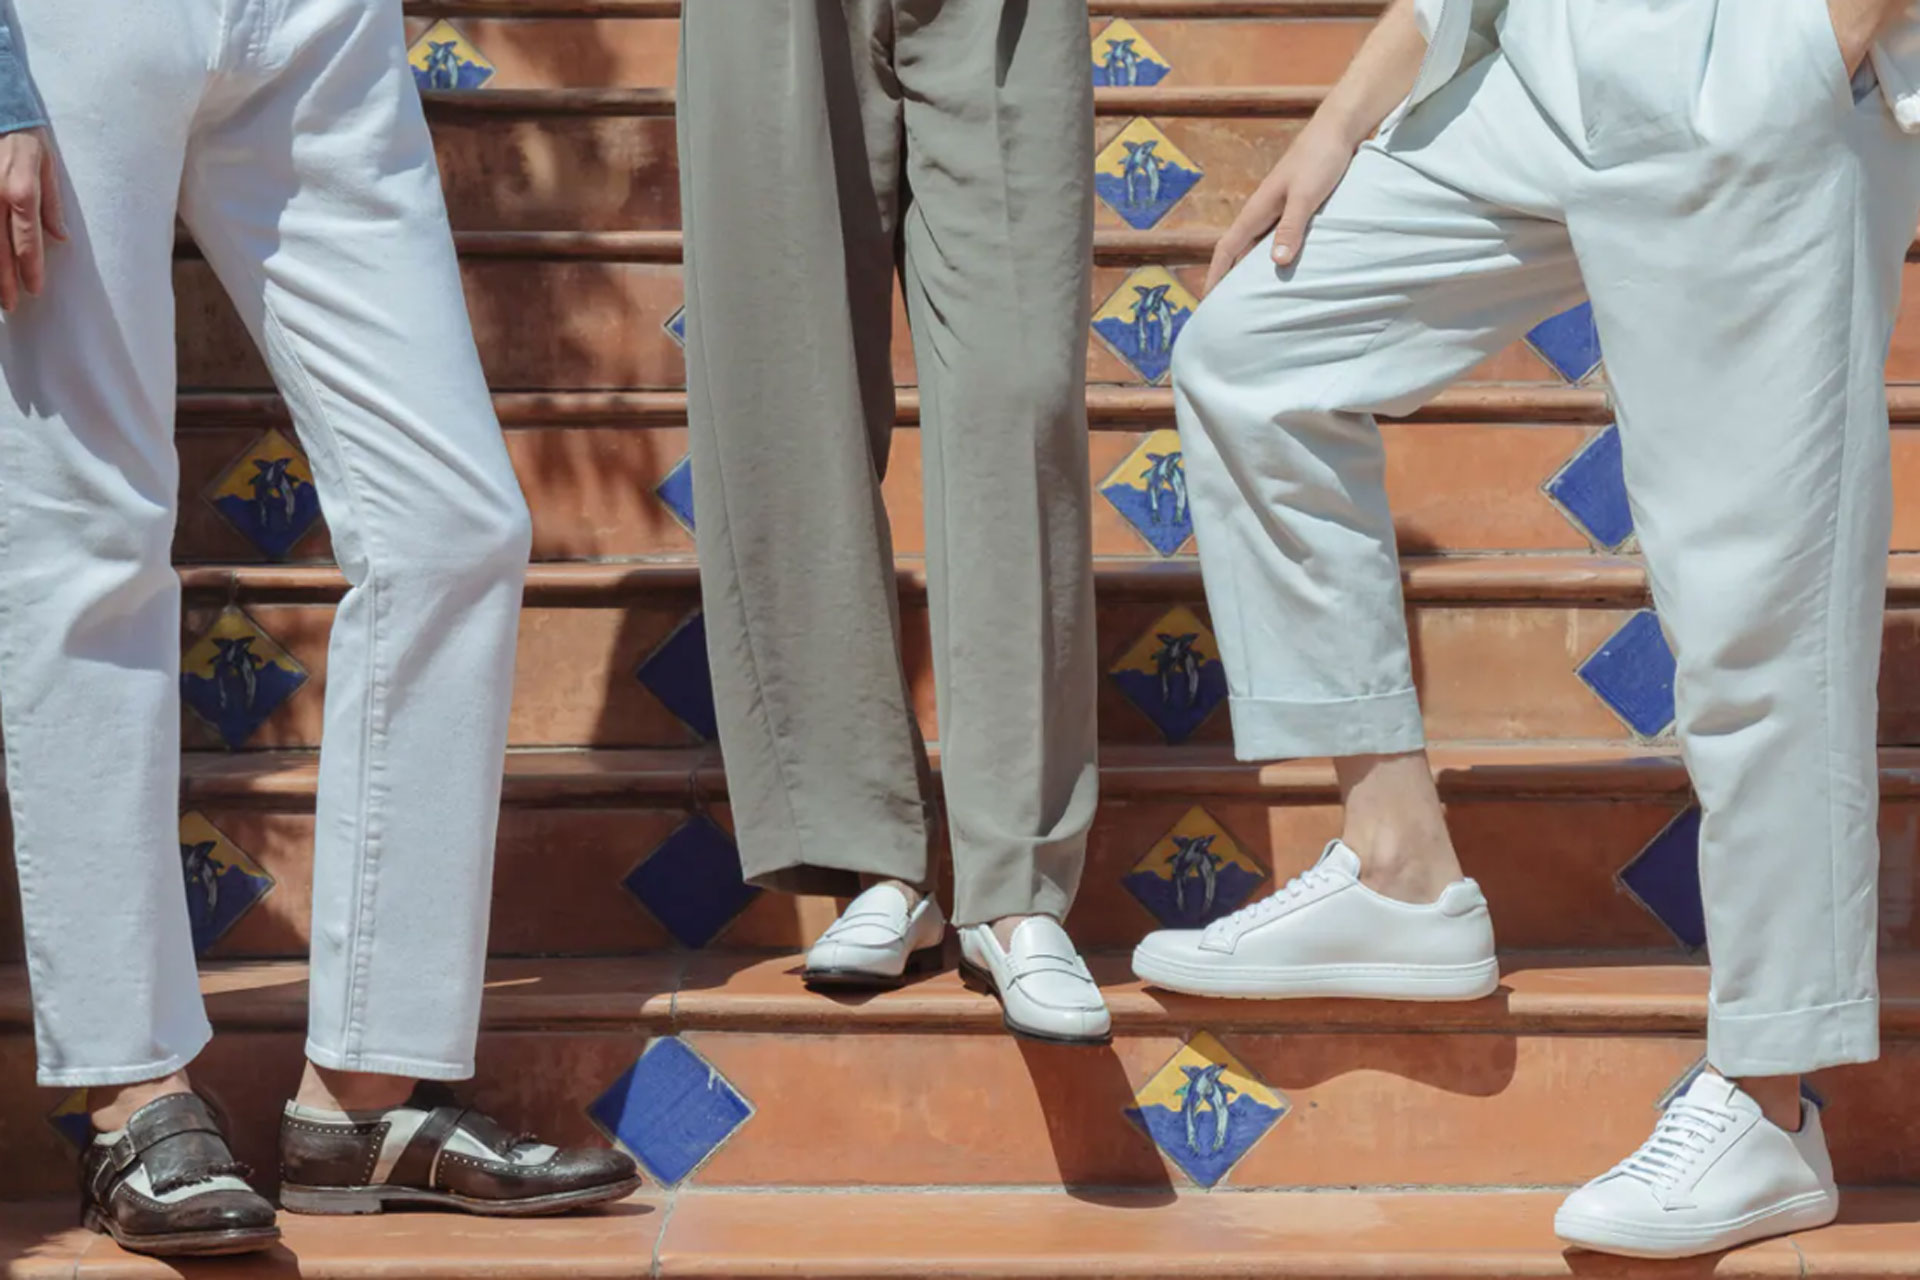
point(1003, 928)
point(325, 1089)
point(1395, 823)
point(114, 1104)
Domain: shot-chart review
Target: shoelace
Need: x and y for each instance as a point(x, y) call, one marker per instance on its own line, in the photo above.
point(1685, 1133)
point(1274, 905)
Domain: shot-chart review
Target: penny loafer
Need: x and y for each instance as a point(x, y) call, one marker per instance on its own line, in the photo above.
point(877, 941)
point(434, 1153)
point(167, 1185)
point(1045, 991)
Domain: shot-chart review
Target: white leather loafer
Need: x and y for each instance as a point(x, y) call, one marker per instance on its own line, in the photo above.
point(877, 941)
point(1044, 987)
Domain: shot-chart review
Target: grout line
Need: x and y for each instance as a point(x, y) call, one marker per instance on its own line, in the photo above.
point(660, 1237)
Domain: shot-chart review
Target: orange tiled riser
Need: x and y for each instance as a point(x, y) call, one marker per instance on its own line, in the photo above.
point(1287, 51)
point(1456, 487)
point(588, 53)
point(587, 325)
point(577, 173)
point(1494, 672)
point(1375, 1110)
point(571, 53)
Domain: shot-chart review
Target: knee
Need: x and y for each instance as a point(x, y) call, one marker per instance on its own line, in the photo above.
point(484, 540)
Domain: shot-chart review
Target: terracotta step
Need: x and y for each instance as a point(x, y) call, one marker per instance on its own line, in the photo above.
point(746, 1080)
point(530, 52)
point(1006, 1235)
point(616, 490)
point(1589, 848)
point(586, 325)
point(1511, 648)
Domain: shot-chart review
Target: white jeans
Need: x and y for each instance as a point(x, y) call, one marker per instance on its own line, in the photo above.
point(289, 135)
point(1740, 223)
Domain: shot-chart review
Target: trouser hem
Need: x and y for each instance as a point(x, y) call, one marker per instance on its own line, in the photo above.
point(984, 906)
point(140, 1073)
point(1794, 1041)
point(1284, 729)
point(379, 1064)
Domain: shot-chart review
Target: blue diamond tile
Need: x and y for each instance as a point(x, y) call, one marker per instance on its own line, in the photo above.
point(1664, 878)
point(693, 883)
point(677, 674)
point(1149, 490)
point(1195, 874)
point(1205, 1109)
point(677, 492)
point(1141, 174)
point(1173, 674)
point(670, 1110)
point(268, 495)
point(1633, 674)
point(1592, 490)
point(1142, 319)
point(1693, 1073)
point(73, 1119)
point(676, 327)
point(223, 883)
point(234, 677)
point(442, 59)
point(1569, 342)
point(1123, 58)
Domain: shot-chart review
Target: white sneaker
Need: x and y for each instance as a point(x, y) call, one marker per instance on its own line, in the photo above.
point(1043, 984)
point(1716, 1173)
point(876, 940)
point(1326, 934)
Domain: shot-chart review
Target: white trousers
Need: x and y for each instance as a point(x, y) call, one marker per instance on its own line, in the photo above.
point(1739, 215)
point(289, 135)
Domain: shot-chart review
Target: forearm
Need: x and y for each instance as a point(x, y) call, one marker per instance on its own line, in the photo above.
point(19, 104)
point(1379, 78)
point(1858, 23)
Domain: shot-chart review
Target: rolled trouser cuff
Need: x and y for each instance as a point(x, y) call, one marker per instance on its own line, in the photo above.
point(1794, 1041)
point(1285, 729)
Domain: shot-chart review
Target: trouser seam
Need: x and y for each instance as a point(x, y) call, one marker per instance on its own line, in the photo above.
point(367, 849)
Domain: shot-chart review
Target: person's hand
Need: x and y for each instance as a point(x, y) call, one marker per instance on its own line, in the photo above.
point(31, 191)
point(1285, 202)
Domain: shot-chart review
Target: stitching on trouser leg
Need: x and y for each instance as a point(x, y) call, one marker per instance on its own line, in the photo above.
point(366, 860)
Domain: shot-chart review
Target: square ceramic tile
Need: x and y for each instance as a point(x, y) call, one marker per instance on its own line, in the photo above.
point(692, 882)
point(1205, 1110)
point(1141, 174)
point(670, 1111)
point(444, 59)
point(1123, 58)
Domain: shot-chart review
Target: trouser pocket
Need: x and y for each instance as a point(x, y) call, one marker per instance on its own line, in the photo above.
point(1639, 65)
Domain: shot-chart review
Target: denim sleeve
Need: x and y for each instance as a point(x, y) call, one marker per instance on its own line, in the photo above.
point(19, 104)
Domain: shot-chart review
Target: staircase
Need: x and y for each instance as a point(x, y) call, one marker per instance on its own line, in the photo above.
point(642, 994)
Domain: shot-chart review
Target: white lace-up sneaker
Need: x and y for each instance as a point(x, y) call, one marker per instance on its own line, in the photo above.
point(1716, 1173)
point(1326, 934)
point(1043, 984)
point(876, 941)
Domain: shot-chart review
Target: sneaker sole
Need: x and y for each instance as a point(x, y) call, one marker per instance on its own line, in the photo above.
point(1473, 981)
point(354, 1201)
point(1802, 1213)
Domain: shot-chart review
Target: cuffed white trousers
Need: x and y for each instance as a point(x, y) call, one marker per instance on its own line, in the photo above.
point(1739, 215)
point(289, 135)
